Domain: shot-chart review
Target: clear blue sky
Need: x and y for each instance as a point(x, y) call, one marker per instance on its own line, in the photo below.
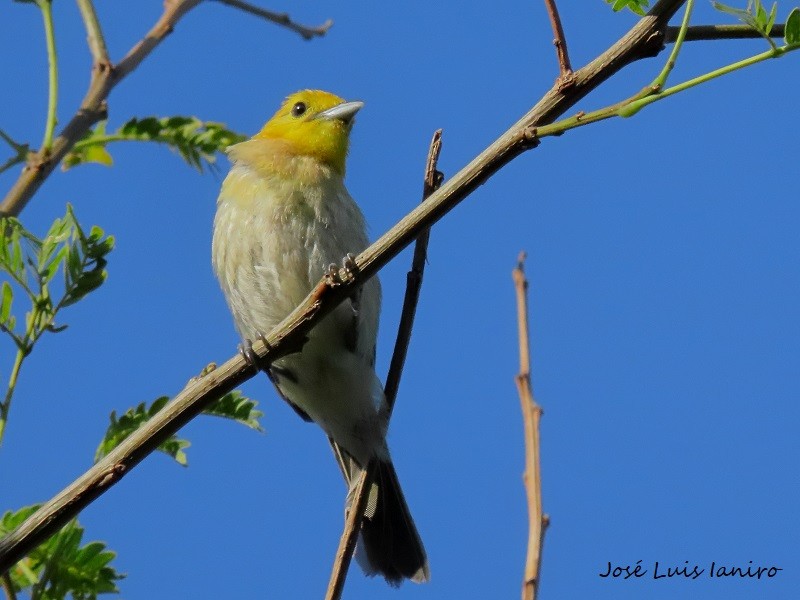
point(665, 275)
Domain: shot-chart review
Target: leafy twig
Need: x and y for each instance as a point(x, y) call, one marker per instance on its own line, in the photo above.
point(83, 260)
point(196, 141)
point(531, 415)
point(347, 543)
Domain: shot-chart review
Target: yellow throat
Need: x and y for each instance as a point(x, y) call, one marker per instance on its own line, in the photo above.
point(314, 123)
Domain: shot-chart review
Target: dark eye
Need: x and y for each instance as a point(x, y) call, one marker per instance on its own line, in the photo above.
point(298, 109)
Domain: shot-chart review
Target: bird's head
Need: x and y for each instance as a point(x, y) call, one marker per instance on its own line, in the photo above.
point(314, 123)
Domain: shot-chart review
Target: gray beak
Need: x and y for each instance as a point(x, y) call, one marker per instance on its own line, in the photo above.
point(344, 111)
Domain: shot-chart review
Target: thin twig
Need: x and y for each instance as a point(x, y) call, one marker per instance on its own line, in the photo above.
point(284, 19)
point(660, 81)
point(352, 525)
point(347, 543)
point(560, 42)
point(46, 6)
point(433, 179)
point(720, 32)
point(531, 415)
point(643, 40)
point(94, 35)
point(8, 587)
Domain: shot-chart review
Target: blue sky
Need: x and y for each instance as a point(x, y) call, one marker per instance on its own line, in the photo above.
point(663, 259)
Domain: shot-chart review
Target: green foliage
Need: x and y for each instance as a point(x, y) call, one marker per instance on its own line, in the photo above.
point(231, 406)
point(238, 407)
point(61, 566)
point(120, 428)
point(792, 34)
point(637, 6)
point(196, 141)
point(32, 264)
point(754, 16)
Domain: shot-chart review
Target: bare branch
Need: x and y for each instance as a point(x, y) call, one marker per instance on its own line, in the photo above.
point(531, 415)
point(352, 525)
point(560, 42)
point(306, 32)
point(644, 39)
point(94, 35)
point(433, 179)
point(347, 543)
point(720, 32)
point(8, 587)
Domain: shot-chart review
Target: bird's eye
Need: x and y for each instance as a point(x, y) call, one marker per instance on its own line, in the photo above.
point(298, 109)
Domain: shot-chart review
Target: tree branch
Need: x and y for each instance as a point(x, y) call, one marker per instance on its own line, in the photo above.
point(94, 35)
point(105, 78)
point(531, 415)
point(720, 32)
point(8, 587)
point(560, 42)
point(347, 543)
point(46, 7)
point(644, 39)
point(283, 19)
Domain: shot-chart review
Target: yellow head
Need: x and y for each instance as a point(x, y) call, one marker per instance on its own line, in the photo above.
point(314, 123)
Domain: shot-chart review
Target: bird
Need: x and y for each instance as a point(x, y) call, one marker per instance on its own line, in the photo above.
point(285, 218)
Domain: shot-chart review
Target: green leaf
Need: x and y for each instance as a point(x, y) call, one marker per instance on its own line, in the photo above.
point(638, 7)
point(792, 32)
point(236, 406)
point(739, 13)
point(6, 298)
point(120, 428)
point(773, 14)
point(98, 154)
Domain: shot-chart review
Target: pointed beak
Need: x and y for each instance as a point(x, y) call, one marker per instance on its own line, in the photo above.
point(344, 112)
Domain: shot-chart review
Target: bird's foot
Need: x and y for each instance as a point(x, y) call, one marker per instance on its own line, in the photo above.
point(249, 355)
point(333, 275)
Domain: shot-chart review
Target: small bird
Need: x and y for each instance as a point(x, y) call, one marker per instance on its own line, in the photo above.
point(283, 217)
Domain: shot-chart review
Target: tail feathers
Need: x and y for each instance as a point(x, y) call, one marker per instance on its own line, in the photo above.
point(389, 544)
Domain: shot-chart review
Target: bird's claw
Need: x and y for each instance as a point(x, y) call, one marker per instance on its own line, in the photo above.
point(249, 355)
point(349, 265)
point(332, 275)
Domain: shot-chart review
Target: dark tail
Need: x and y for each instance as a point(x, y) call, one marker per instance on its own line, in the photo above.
point(389, 544)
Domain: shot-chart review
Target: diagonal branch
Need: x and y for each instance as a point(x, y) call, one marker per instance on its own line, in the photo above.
point(531, 415)
point(644, 39)
point(347, 543)
point(305, 32)
point(105, 78)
